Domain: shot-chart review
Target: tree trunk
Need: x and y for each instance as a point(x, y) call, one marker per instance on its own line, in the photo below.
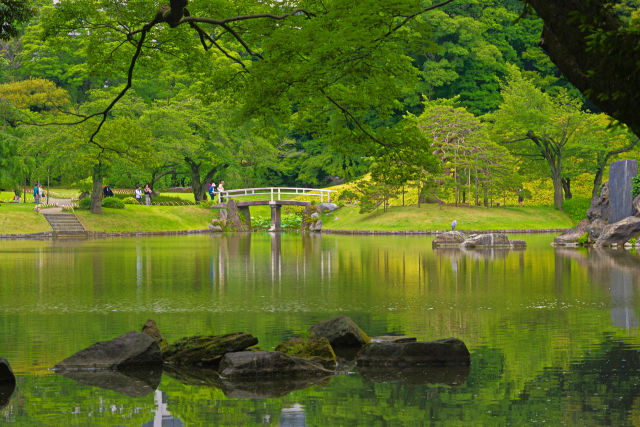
point(566, 186)
point(557, 189)
point(597, 182)
point(96, 192)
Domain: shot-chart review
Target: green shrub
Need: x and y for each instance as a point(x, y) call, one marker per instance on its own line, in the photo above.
point(206, 203)
point(633, 241)
point(584, 239)
point(164, 199)
point(577, 208)
point(635, 186)
point(85, 185)
point(260, 222)
point(130, 201)
point(85, 203)
point(112, 203)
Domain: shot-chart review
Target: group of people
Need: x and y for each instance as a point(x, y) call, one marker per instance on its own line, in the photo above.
point(212, 191)
point(147, 194)
point(38, 194)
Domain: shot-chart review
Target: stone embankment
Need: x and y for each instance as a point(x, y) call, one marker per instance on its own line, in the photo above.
point(133, 363)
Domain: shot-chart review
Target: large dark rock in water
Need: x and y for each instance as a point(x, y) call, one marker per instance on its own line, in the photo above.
point(207, 350)
point(316, 349)
point(268, 364)
point(7, 382)
point(570, 237)
point(129, 350)
point(6, 373)
point(150, 328)
point(599, 208)
point(489, 240)
point(620, 200)
point(447, 375)
point(131, 382)
point(595, 229)
point(619, 233)
point(448, 239)
point(341, 331)
point(450, 351)
point(394, 338)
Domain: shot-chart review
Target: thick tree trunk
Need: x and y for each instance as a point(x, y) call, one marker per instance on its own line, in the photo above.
point(96, 192)
point(597, 182)
point(603, 67)
point(566, 187)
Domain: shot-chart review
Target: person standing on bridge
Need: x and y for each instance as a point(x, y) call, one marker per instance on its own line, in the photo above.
point(220, 191)
point(212, 191)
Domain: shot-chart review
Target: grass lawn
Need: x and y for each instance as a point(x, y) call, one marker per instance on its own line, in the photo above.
point(147, 218)
point(18, 218)
point(432, 217)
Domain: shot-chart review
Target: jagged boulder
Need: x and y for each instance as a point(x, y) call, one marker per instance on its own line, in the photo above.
point(233, 221)
point(214, 228)
point(450, 351)
point(327, 207)
point(341, 331)
point(268, 364)
point(316, 349)
point(619, 233)
point(448, 239)
point(490, 240)
point(570, 237)
point(595, 229)
point(150, 328)
point(130, 350)
point(206, 350)
point(599, 208)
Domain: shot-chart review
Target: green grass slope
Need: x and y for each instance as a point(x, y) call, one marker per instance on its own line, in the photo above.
point(18, 218)
point(433, 217)
point(136, 218)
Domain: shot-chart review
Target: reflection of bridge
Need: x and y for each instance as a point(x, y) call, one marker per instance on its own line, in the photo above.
point(275, 200)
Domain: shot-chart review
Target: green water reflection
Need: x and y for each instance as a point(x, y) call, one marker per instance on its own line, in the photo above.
point(553, 333)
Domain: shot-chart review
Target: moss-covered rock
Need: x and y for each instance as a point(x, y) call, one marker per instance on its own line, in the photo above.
point(206, 350)
point(317, 349)
point(341, 331)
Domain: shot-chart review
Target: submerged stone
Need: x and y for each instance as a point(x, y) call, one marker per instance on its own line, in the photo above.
point(450, 351)
point(131, 382)
point(448, 239)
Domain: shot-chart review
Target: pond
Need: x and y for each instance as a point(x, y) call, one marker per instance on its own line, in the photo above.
point(553, 334)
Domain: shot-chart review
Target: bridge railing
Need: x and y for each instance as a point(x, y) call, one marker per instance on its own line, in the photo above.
point(276, 193)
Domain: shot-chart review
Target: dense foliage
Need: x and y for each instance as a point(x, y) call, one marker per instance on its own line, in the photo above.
point(265, 94)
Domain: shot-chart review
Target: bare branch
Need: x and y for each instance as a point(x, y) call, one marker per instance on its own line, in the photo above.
point(410, 17)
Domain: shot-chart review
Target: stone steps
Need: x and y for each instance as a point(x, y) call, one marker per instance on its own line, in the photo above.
point(66, 226)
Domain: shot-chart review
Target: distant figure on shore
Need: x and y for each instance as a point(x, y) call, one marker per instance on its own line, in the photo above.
point(520, 198)
point(41, 193)
point(220, 191)
point(453, 224)
point(147, 194)
point(106, 191)
point(36, 194)
point(138, 194)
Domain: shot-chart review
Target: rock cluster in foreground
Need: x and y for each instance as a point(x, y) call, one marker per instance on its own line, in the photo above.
point(457, 239)
point(133, 363)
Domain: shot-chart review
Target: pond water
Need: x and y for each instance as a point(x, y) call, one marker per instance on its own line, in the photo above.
point(553, 334)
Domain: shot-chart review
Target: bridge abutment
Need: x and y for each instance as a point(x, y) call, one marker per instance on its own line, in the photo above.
point(276, 217)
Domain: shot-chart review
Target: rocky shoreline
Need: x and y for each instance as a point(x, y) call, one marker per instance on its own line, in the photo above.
point(133, 363)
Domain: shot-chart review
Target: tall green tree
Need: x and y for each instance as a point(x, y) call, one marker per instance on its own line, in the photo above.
point(534, 125)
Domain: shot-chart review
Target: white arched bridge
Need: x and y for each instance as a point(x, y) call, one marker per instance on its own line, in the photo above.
point(276, 197)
